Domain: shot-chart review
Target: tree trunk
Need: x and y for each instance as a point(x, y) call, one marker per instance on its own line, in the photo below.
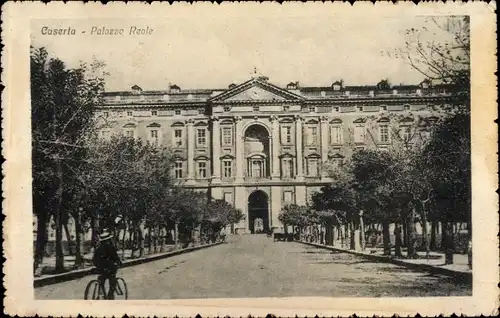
point(352, 236)
point(448, 242)
point(68, 238)
point(176, 235)
point(386, 237)
point(412, 235)
point(140, 239)
point(405, 232)
point(432, 244)
point(150, 240)
point(124, 241)
point(78, 240)
point(41, 239)
point(58, 219)
point(398, 240)
point(332, 233)
point(362, 231)
point(94, 233)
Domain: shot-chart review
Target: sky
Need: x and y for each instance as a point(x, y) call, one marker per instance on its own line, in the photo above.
point(213, 53)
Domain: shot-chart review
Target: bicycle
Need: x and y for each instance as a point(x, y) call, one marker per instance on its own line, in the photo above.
point(96, 290)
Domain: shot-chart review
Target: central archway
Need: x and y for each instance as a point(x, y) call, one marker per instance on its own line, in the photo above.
point(256, 151)
point(258, 212)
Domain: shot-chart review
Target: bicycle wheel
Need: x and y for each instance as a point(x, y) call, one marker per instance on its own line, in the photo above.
point(121, 290)
point(92, 290)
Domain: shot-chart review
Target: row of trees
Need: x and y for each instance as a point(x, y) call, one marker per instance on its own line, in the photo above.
point(401, 186)
point(91, 180)
point(409, 182)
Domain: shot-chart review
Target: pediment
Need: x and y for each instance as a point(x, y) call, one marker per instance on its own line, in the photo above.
point(255, 93)
point(256, 90)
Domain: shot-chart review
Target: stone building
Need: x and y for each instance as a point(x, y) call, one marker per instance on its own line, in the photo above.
point(260, 146)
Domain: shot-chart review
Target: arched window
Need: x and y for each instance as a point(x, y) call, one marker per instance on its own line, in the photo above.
point(383, 130)
point(129, 130)
point(337, 159)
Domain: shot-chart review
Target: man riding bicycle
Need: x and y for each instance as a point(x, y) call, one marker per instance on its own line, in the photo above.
point(107, 261)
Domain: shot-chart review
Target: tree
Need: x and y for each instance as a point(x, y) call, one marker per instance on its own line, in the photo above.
point(446, 62)
point(448, 157)
point(63, 103)
point(217, 215)
point(440, 51)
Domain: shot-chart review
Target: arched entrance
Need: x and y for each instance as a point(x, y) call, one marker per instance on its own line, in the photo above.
point(258, 212)
point(256, 152)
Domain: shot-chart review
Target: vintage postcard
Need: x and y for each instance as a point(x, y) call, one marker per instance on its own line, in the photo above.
point(249, 159)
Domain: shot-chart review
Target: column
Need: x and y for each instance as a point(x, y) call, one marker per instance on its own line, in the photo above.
point(215, 149)
point(275, 160)
point(324, 143)
point(298, 147)
point(190, 151)
point(239, 149)
point(275, 206)
point(240, 202)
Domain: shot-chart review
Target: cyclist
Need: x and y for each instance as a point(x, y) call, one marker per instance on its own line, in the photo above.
point(107, 261)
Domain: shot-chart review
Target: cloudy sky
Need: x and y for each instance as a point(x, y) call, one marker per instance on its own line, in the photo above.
point(213, 53)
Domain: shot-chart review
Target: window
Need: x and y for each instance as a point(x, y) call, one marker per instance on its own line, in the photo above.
point(202, 169)
point(227, 168)
point(384, 133)
point(312, 135)
point(129, 133)
point(288, 196)
point(227, 136)
point(359, 134)
point(178, 138)
point(360, 108)
point(312, 166)
point(154, 113)
point(337, 162)
point(286, 134)
point(336, 135)
point(312, 109)
point(129, 113)
point(177, 111)
point(287, 168)
point(425, 135)
point(153, 136)
point(228, 197)
point(256, 168)
point(201, 137)
point(406, 133)
point(178, 171)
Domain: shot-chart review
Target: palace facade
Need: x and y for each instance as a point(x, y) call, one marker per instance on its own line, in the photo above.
point(260, 146)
